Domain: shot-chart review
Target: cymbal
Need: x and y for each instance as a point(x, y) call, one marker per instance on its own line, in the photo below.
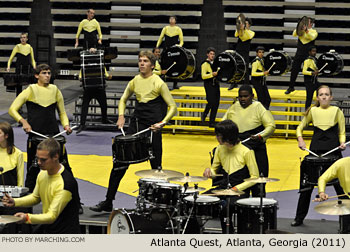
point(5, 219)
point(187, 179)
point(228, 192)
point(333, 207)
point(192, 189)
point(261, 180)
point(160, 174)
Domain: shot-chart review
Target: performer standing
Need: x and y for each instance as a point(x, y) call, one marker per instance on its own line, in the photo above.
point(237, 161)
point(329, 132)
point(259, 78)
point(211, 86)
point(245, 36)
point(24, 58)
point(11, 158)
point(172, 35)
point(305, 40)
point(56, 189)
point(151, 111)
point(310, 72)
point(90, 28)
point(252, 118)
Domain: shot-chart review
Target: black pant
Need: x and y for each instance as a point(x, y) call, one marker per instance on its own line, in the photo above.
point(261, 91)
point(100, 95)
point(118, 171)
point(296, 66)
point(213, 98)
point(262, 161)
point(311, 85)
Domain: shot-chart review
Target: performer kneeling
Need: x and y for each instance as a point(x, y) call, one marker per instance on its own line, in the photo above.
point(238, 163)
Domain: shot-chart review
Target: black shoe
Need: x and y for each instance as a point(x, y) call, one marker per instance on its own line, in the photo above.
point(175, 87)
point(81, 210)
point(212, 125)
point(203, 118)
point(289, 90)
point(80, 129)
point(102, 206)
point(296, 223)
point(232, 86)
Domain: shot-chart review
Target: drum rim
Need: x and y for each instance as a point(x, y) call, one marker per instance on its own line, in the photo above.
point(128, 219)
point(217, 199)
point(170, 185)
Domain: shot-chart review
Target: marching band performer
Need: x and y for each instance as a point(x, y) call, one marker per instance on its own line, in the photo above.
point(90, 28)
point(310, 72)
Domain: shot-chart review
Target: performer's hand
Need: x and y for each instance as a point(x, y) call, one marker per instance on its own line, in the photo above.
point(68, 129)
point(257, 138)
point(25, 125)
point(23, 217)
point(121, 121)
point(99, 41)
point(342, 146)
point(215, 73)
point(164, 72)
point(322, 197)
point(8, 201)
point(8, 69)
point(301, 143)
point(157, 126)
point(207, 173)
point(266, 72)
point(110, 77)
point(76, 45)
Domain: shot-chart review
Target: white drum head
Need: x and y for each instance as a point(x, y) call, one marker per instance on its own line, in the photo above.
point(168, 185)
point(119, 222)
point(151, 180)
point(255, 202)
point(202, 199)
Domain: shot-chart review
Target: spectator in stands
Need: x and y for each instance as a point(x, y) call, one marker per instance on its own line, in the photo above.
point(245, 36)
point(56, 189)
point(24, 59)
point(258, 78)
point(306, 40)
point(310, 72)
point(152, 102)
point(211, 86)
point(90, 28)
point(11, 158)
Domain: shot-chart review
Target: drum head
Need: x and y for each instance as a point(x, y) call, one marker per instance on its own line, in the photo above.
point(282, 61)
point(151, 180)
point(168, 185)
point(335, 63)
point(232, 67)
point(128, 138)
point(202, 199)
point(255, 202)
point(119, 222)
point(313, 159)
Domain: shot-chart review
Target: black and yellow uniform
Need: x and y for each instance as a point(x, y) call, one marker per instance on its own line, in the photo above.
point(250, 121)
point(311, 83)
point(243, 48)
point(157, 69)
point(329, 132)
point(13, 165)
point(90, 29)
point(152, 100)
point(24, 59)
point(41, 102)
point(212, 92)
point(60, 203)
point(259, 82)
point(304, 42)
point(172, 36)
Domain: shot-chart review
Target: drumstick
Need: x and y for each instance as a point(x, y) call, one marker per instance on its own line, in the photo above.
point(274, 63)
point(36, 133)
point(323, 67)
point(217, 175)
point(245, 140)
point(218, 69)
point(142, 131)
point(171, 66)
point(332, 197)
point(311, 152)
point(336, 148)
point(64, 131)
point(121, 129)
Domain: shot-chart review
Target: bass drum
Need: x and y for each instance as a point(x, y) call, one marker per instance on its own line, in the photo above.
point(232, 67)
point(283, 62)
point(180, 62)
point(153, 221)
point(334, 61)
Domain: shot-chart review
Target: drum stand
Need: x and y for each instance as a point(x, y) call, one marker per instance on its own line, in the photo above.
point(195, 196)
point(261, 213)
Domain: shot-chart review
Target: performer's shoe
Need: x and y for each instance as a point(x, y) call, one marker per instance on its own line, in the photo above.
point(296, 223)
point(232, 86)
point(81, 210)
point(175, 87)
point(212, 124)
point(80, 129)
point(203, 116)
point(102, 206)
point(289, 90)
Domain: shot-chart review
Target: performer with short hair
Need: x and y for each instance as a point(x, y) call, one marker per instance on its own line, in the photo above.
point(90, 28)
point(151, 111)
point(307, 39)
point(157, 67)
point(211, 86)
point(56, 189)
point(310, 72)
point(259, 78)
point(24, 58)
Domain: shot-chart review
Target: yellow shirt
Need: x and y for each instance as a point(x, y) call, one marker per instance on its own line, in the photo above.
point(44, 96)
point(89, 26)
point(13, 161)
point(157, 68)
point(251, 117)
point(257, 66)
point(22, 49)
point(171, 31)
point(324, 119)
point(340, 170)
point(309, 63)
point(247, 34)
point(233, 159)
point(147, 89)
point(306, 37)
point(206, 71)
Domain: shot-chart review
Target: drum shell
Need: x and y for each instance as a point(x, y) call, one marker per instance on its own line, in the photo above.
point(34, 141)
point(247, 211)
point(166, 195)
point(316, 166)
point(10, 79)
point(131, 149)
point(110, 53)
point(130, 221)
point(232, 67)
point(335, 63)
point(92, 69)
point(283, 63)
point(146, 186)
point(206, 207)
point(185, 62)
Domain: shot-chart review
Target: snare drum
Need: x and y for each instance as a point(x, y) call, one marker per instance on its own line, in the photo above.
point(10, 81)
point(184, 59)
point(92, 69)
point(131, 149)
point(152, 221)
point(232, 67)
point(283, 62)
point(110, 53)
point(316, 166)
point(335, 63)
point(34, 141)
point(165, 195)
point(205, 207)
point(73, 54)
point(248, 215)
